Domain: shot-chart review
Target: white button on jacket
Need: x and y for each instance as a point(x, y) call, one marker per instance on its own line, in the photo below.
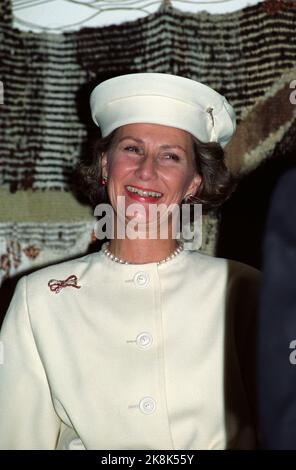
point(141, 279)
point(147, 405)
point(81, 370)
point(144, 340)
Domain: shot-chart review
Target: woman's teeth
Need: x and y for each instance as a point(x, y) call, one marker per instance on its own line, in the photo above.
point(143, 193)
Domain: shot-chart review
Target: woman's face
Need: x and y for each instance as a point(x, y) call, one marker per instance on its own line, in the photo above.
point(154, 158)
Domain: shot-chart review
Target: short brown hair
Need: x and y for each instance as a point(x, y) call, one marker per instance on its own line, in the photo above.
point(216, 186)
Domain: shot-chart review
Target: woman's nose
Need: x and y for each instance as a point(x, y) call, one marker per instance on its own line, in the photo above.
point(147, 167)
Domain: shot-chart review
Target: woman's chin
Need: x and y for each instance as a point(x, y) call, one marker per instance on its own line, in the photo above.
point(143, 217)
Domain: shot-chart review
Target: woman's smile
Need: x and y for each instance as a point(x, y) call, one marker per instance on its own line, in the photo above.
point(143, 195)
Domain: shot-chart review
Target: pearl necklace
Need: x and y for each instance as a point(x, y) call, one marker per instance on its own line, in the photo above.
point(121, 261)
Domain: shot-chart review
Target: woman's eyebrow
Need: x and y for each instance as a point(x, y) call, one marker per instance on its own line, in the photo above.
point(176, 146)
point(140, 141)
point(132, 138)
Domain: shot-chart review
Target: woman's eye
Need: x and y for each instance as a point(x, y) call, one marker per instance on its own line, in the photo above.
point(131, 148)
point(173, 156)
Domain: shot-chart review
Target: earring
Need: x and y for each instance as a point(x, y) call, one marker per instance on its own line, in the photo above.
point(188, 197)
point(104, 180)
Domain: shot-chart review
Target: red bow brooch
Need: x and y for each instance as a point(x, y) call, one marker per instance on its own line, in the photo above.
point(56, 285)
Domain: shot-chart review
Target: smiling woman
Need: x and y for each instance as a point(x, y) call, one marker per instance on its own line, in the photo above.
point(134, 154)
point(145, 344)
point(217, 183)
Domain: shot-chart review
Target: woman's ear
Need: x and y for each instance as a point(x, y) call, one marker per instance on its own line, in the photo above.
point(104, 164)
point(195, 184)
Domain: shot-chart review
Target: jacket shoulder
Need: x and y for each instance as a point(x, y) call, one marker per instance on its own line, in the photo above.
point(205, 261)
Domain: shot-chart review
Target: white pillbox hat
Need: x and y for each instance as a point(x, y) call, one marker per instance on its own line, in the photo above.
point(160, 98)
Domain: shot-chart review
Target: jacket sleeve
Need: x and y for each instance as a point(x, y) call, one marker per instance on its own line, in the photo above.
point(27, 416)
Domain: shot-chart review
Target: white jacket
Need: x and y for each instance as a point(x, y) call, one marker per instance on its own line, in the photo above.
point(140, 356)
